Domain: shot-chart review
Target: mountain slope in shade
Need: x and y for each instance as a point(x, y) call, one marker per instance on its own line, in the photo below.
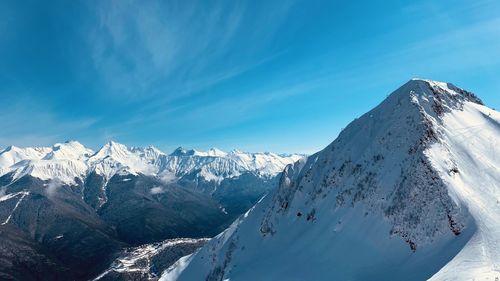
point(19, 251)
point(58, 226)
point(409, 191)
point(77, 209)
point(77, 241)
point(242, 177)
point(235, 179)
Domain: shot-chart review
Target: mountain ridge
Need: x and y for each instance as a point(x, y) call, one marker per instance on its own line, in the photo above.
point(78, 209)
point(388, 199)
point(79, 161)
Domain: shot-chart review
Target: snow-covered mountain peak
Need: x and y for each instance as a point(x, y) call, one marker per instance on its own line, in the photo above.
point(408, 191)
point(28, 152)
point(10, 148)
point(13, 154)
point(438, 92)
point(212, 152)
point(78, 161)
point(62, 161)
point(113, 149)
point(70, 150)
point(181, 151)
point(150, 154)
point(216, 165)
point(154, 150)
point(371, 156)
point(215, 152)
point(114, 157)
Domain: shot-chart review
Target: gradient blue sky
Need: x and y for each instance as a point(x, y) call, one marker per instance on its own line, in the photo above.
point(281, 76)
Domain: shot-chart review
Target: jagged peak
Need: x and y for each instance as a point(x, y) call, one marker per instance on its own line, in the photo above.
point(215, 152)
point(402, 127)
point(428, 87)
point(28, 152)
point(379, 177)
point(70, 144)
point(112, 143)
point(111, 149)
point(212, 152)
point(181, 151)
point(114, 146)
point(11, 148)
point(147, 149)
point(113, 155)
point(72, 150)
point(154, 148)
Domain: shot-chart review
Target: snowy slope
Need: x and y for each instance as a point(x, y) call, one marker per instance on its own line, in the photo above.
point(217, 165)
point(408, 191)
point(472, 138)
point(147, 261)
point(12, 155)
point(63, 162)
point(115, 157)
point(264, 164)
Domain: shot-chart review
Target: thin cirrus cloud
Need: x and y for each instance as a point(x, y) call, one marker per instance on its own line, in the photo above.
point(144, 49)
point(254, 75)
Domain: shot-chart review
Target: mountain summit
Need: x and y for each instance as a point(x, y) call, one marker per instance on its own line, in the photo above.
point(408, 191)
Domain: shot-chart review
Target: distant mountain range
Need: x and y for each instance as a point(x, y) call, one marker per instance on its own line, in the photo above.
point(67, 211)
point(71, 162)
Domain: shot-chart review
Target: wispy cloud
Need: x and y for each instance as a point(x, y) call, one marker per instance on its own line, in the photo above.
point(231, 110)
point(169, 49)
point(195, 71)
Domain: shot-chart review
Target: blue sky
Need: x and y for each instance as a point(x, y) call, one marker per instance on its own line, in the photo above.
point(281, 76)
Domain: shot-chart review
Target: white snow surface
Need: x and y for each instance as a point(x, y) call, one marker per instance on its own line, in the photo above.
point(138, 259)
point(62, 161)
point(408, 191)
point(472, 138)
point(70, 162)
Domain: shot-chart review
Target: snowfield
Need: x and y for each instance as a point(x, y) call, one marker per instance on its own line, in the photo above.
point(472, 136)
point(408, 191)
